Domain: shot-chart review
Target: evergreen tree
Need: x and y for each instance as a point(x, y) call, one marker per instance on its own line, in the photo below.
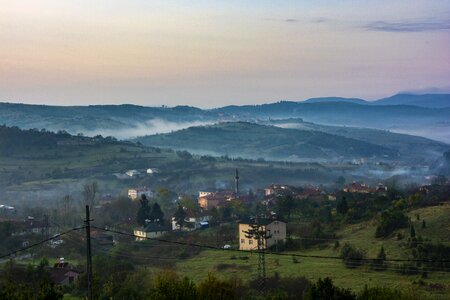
point(144, 211)
point(412, 232)
point(424, 225)
point(381, 255)
point(180, 216)
point(156, 214)
point(342, 206)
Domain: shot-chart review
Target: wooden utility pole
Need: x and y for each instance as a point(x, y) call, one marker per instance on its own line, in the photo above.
point(88, 254)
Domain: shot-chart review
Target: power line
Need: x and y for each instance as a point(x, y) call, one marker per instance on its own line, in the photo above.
point(391, 267)
point(344, 240)
point(270, 253)
point(41, 242)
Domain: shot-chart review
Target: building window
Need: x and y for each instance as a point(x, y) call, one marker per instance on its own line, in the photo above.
point(242, 241)
point(250, 242)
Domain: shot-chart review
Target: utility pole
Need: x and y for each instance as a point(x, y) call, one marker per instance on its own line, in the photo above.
point(88, 253)
point(236, 183)
point(258, 232)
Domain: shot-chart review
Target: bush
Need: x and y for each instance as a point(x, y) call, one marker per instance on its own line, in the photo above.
point(391, 220)
point(353, 257)
point(213, 288)
point(324, 289)
point(383, 293)
point(279, 288)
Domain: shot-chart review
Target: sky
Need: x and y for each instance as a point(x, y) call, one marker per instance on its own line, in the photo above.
point(209, 53)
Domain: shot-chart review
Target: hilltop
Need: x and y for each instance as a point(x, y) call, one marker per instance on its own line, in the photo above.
point(411, 148)
point(249, 140)
point(296, 140)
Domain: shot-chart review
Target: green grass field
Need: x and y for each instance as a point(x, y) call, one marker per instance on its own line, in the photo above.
point(223, 263)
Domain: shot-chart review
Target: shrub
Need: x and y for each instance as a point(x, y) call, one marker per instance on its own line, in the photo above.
point(391, 220)
point(353, 257)
point(324, 289)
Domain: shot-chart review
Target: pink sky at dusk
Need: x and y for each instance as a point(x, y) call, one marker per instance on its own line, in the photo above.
point(214, 53)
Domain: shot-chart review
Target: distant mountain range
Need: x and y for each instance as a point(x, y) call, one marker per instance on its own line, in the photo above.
point(127, 121)
point(336, 100)
point(426, 100)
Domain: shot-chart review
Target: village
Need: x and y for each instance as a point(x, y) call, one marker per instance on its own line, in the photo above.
point(211, 208)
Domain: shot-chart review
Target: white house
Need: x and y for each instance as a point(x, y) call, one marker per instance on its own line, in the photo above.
point(205, 193)
point(151, 230)
point(193, 221)
point(137, 193)
point(133, 173)
point(152, 171)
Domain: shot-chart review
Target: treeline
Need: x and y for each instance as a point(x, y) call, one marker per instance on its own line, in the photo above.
point(15, 140)
point(114, 278)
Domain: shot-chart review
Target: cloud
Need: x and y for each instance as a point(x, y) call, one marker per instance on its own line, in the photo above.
point(408, 26)
point(153, 126)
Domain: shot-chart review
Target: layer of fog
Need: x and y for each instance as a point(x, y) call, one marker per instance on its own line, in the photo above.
point(149, 127)
point(440, 134)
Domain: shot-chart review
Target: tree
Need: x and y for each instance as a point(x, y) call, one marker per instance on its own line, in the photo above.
point(90, 191)
point(391, 220)
point(180, 216)
point(32, 283)
point(384, 293)
point(168, 285)
point(144, 211)
point(381, 255)
point(324, 289)
point(285, 205)
point(156, 214)
point(412, 232)
point(424, 224)
point(213, 288)
point(67, 210)
point(352, 256)
point(378, 263)
point(342, 206)
point(189, 203)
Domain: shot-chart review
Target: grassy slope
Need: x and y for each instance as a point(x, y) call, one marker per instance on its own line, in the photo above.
point(409, 146)
point(35, 169)
point(253, 140)
point(360, 235)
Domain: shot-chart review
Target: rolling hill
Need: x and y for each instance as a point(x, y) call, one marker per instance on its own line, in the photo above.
point(249, 140)
point(414, 148)
point(95, 119)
